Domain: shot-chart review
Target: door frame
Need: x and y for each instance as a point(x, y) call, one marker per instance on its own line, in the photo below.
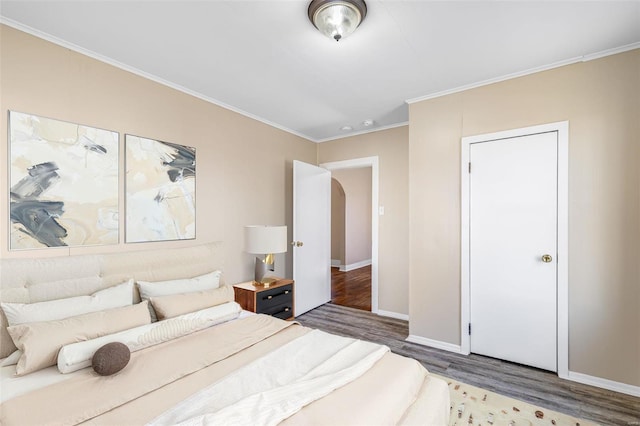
point(357, 163)
point(562, 128)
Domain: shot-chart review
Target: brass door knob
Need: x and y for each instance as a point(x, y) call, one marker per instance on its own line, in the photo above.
point(297, 243)
point(546, 258)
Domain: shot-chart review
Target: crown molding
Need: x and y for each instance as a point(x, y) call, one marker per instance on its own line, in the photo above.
point(363, 132)
point(110, 61)
point(584, 58)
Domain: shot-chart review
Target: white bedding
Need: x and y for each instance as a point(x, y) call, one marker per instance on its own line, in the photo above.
point(12, 386)
point(279, 384)
point(384, 394)
point(161, 376)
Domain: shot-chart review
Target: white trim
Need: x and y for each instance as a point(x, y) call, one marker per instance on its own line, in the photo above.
point(563, 232)
point(335, 263)
point(110, 61)
point(435, 344)
point(362, 132)
point(352, 266)
point(465, 317)
point(356, 163)
point(559, 64)
point(395, 315)
point(562, 270)
point(604, 383)
point(609, 52)
point(60, 42)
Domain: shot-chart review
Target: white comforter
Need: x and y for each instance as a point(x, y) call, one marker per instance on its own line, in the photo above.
point(301, 372)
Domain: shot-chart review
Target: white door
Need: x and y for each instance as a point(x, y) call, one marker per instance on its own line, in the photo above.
point(311, 236)
point(513, 249)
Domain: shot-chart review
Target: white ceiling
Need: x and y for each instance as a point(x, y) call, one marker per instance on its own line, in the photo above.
point(266, 60)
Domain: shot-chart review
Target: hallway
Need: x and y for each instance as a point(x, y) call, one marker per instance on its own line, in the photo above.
point(352, 289)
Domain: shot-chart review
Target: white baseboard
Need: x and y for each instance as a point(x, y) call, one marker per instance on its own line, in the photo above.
point(395, 315)
point(335, 263)
point(573, 376)
point(434, 344)
point(604, 383)
point(352, 266)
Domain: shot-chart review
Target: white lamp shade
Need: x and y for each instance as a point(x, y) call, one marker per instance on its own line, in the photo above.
point(261, 239)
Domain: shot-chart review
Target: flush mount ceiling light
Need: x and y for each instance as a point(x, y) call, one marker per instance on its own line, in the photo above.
point(337, 18)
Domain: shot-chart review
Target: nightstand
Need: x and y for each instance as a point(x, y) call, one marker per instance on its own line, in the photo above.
point(275, 300)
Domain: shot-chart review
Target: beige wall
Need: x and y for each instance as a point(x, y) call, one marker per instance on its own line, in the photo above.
point(244, 167)
point(244, 177)
point(357, 228)
point(601, 101)
point(337, 221)
point(391, 146)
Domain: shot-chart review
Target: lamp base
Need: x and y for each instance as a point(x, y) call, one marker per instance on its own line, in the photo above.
point(266, 282)
point(261, 270)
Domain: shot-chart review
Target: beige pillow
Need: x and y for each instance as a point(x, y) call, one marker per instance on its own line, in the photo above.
point(207, 281)
point(20, 313)
point(6, 344)
point(41, 341)
point(178, 304)
point(77, 356)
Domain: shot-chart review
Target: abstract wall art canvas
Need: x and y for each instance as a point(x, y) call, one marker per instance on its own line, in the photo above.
point(161, 190)
point(63, 183)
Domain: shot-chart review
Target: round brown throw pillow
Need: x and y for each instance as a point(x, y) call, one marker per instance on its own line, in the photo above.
point(110, 358)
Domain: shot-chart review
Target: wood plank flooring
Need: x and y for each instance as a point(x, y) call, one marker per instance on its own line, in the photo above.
point(535, 386)
point(352, 288)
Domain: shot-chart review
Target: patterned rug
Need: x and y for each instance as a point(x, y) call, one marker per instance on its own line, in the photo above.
point(475, 406)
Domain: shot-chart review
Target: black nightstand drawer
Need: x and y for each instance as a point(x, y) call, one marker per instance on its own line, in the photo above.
point(267, 301)
point(283, 311)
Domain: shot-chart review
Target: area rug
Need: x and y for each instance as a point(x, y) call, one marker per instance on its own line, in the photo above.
point(471, 405)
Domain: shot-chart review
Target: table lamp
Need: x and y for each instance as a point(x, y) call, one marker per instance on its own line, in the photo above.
point(265, 240)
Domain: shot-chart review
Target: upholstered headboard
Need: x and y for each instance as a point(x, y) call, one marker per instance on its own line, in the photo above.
point(36, 280)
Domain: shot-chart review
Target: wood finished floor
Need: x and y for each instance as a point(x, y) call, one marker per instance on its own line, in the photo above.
point(535, 386)
point(352, 288)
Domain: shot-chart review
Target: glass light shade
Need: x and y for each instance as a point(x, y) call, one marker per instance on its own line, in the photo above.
point(260, 239)
point(337, 19)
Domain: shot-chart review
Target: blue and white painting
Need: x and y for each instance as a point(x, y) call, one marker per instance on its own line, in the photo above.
point(63, 183)
point(161, 190)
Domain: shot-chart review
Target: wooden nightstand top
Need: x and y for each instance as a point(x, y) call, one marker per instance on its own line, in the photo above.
point(253, 286)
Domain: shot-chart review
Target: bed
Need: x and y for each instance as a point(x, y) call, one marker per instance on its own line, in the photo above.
point(205, 361)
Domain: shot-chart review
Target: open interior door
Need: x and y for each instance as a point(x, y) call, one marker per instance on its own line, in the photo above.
point(311, 236)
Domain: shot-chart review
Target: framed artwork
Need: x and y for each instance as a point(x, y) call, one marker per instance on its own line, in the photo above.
point(160, 190)
point(63, 183)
